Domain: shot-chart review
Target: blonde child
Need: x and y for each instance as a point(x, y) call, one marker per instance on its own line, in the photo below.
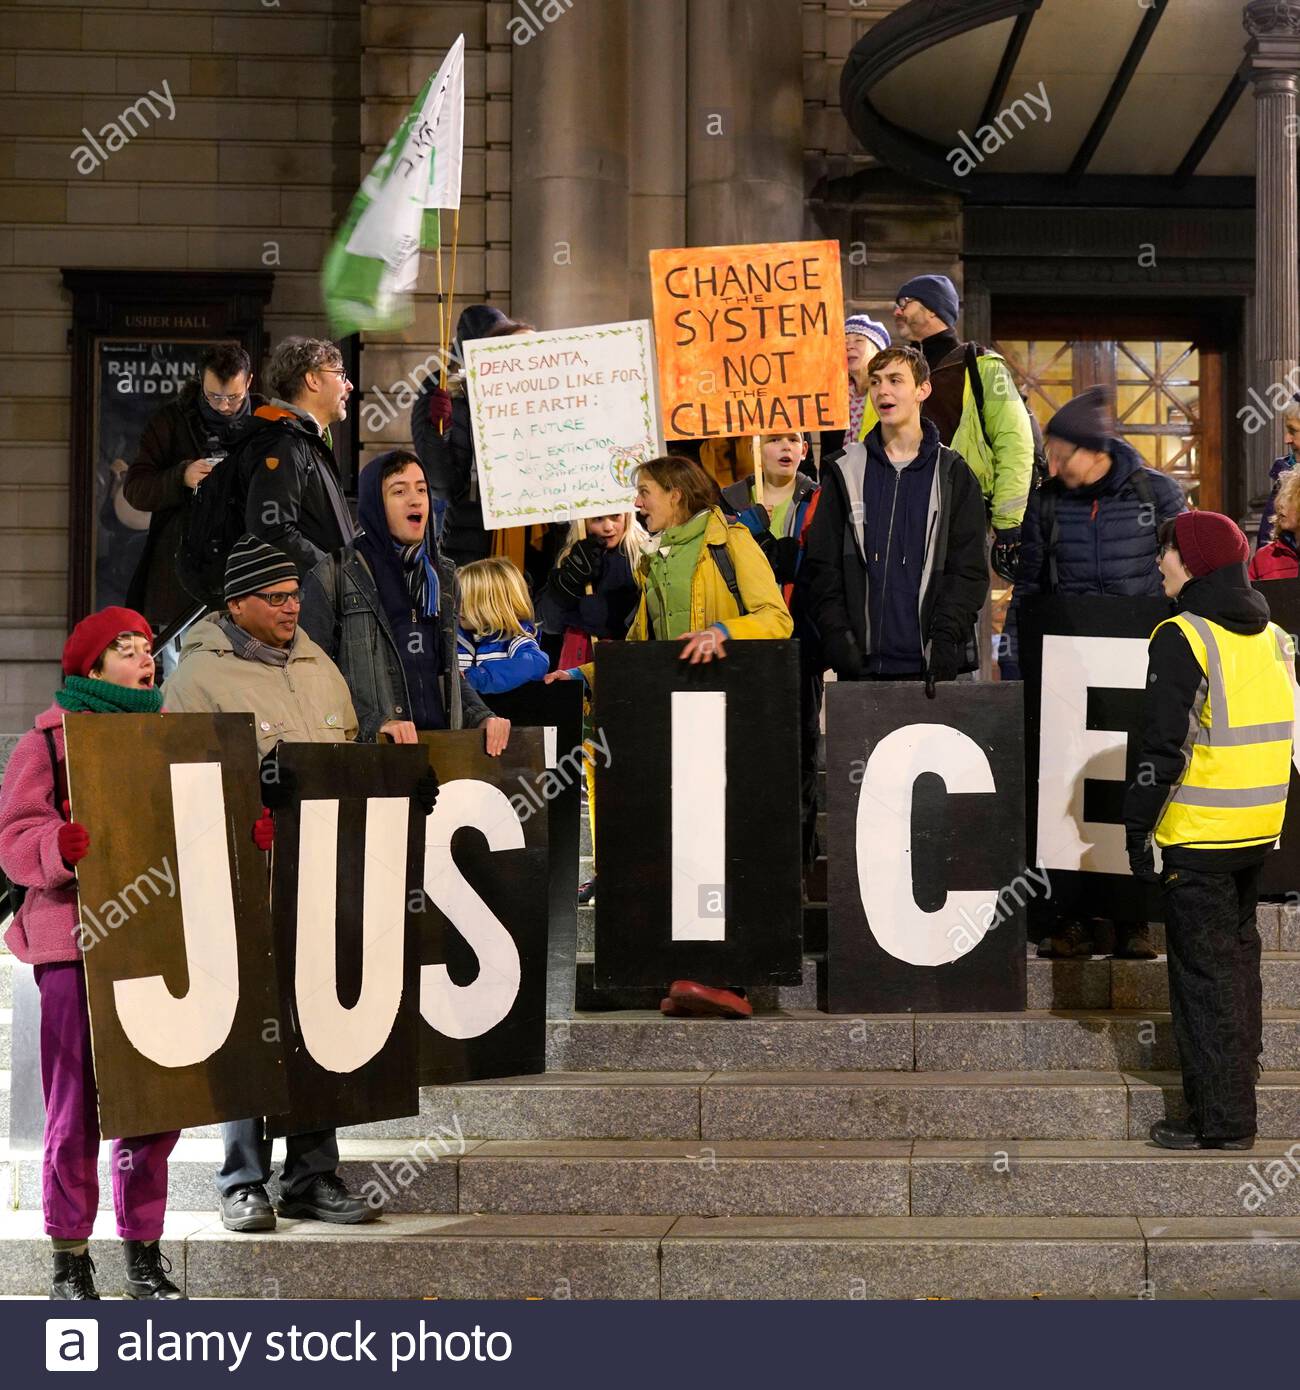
point(496, 641)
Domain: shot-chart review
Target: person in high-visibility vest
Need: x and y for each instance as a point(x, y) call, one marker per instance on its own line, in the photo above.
point(1210, 790)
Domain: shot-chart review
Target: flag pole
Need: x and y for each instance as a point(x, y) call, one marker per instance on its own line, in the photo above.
point(442, 320)
point(451, 289)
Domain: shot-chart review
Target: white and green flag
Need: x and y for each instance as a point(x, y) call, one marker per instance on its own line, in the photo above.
point(370, 272)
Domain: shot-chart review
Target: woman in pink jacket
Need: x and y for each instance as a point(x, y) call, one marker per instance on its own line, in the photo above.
point(108, 667)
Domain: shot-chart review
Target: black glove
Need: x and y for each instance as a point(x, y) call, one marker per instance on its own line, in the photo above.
point(782, 554)
point(580, 567)
point(1006, 552)
point(426, 792)
point(279, 784)
point(844, 657)
point(945, 658)
point(1141, 859)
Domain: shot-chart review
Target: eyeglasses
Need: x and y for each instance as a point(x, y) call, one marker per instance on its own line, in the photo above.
point(293, 596)
point(217, 398)
point(336, 371)
point(131, 644)
point(903, 303)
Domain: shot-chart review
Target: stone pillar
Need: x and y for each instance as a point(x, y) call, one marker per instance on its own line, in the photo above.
point(744, 134)
point(569, 206)
point(656, 140)
point(1273, 53)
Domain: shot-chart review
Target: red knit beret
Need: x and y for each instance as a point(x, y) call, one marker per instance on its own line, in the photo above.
point(1209, 541)
point(92, 636)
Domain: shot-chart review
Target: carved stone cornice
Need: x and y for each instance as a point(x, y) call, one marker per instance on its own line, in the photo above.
point(1267, 18)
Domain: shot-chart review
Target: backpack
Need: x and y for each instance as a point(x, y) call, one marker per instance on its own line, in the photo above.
point(13, 895)
point(970, 356)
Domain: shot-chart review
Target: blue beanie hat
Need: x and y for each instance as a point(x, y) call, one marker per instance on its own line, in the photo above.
point(868, 328)
point(936, 292)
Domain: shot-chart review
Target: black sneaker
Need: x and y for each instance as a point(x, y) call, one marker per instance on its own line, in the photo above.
point(587, 892)
point(247, 1208)
point(74, 1276)
point(147, 1269)
point(326, 1199)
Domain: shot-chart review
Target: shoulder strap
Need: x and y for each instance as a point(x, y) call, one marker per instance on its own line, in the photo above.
point(970, 355)
point(1141, 485)
point(1051, 532)
point(727, 568)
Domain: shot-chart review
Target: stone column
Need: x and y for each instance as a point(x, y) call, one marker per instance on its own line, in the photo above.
point(1273, 53)
point(744, 134)
point(569, 167)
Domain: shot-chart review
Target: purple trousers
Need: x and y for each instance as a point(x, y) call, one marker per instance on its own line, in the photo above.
point(70, 1167)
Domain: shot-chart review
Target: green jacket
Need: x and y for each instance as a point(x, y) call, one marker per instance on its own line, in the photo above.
point(1001, 453)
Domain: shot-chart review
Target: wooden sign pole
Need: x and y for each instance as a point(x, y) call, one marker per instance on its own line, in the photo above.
point(756, 453)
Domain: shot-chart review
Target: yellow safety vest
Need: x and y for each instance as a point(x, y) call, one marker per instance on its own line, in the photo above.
point(1233, 792)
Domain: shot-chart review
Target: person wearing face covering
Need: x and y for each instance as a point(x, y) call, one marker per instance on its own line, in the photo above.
point(178, 449)
point(385, 610)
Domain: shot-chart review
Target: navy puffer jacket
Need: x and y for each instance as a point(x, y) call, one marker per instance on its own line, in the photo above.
point(1105, 538)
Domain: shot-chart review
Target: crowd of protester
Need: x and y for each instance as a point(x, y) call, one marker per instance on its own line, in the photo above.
point(875, 551)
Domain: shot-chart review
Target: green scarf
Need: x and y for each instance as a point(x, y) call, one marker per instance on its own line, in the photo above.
point(80, 695)
point(669, 573)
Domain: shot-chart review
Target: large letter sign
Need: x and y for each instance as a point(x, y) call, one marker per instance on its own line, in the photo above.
point(175, 926)
point(698, 845)
point(1085, 665)
point(928, 884)
point(347, 862)
point(482, 937)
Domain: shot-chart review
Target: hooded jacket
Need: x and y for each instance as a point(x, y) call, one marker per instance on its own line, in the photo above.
point(921, 531)
point(448, 458)
point(44, 927)
point(344, 614)
point(304, 701)
point(1100, 539)
point(1277, 559)
point(1171, 705)
point(294, 494)
point(175, 436)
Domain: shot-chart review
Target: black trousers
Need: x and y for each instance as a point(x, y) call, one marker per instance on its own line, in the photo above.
point(1215, 994)
point(811, 691)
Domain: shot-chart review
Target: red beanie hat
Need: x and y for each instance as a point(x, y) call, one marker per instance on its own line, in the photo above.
point(92, 636)
point(1209, 541)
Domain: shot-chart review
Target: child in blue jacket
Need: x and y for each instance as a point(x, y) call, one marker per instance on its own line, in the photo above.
point(496, 644)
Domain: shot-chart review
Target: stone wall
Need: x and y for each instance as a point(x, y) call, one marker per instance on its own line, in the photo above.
point(251, 171)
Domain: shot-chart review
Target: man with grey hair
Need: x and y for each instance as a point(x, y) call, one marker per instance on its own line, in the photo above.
point(289, 475)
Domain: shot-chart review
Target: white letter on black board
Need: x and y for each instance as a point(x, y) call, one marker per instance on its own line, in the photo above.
point(698, 789)
point(181, 1032)
point(1069, 751)
point(340, 1039)
point(884, 839)
point(468, 1011)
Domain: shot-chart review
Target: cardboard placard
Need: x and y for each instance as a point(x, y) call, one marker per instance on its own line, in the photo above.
point(175, 920)
point(346, 870)
point(560, 419)
point(750, 339)
point(482, 932)
point(925, 916)
point(556, 710)
point(698, 836)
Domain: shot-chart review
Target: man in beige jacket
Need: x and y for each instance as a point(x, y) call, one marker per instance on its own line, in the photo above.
point(255, 657)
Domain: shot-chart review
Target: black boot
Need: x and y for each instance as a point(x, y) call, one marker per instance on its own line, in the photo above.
point(147, 1269)
point(1173, 1134)
point(74, 1276)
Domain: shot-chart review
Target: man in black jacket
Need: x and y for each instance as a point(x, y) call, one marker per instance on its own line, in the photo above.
point(293, 491)
point(896, 562)
point(178, 449)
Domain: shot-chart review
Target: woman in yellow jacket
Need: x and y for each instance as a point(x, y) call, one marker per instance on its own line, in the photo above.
point(704, 584)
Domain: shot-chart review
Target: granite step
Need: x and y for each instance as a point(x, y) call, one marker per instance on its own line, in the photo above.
point(680, 1257)
point(801, 1040)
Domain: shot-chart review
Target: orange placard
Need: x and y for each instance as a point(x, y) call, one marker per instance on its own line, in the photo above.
point(750, 339)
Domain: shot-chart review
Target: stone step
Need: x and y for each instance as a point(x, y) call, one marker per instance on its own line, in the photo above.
point(877, 1178)
point(1091, 1039)
point(679, 1257)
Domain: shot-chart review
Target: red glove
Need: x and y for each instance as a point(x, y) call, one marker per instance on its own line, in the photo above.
point(264, 831)
point(74, 842)
point(439, 409)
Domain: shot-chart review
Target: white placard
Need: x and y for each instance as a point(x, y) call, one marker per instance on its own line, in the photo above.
point(560, 419)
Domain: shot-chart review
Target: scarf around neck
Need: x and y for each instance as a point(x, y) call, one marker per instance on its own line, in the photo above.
point(84, 695)
point(248, 648)
point(225, 427)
